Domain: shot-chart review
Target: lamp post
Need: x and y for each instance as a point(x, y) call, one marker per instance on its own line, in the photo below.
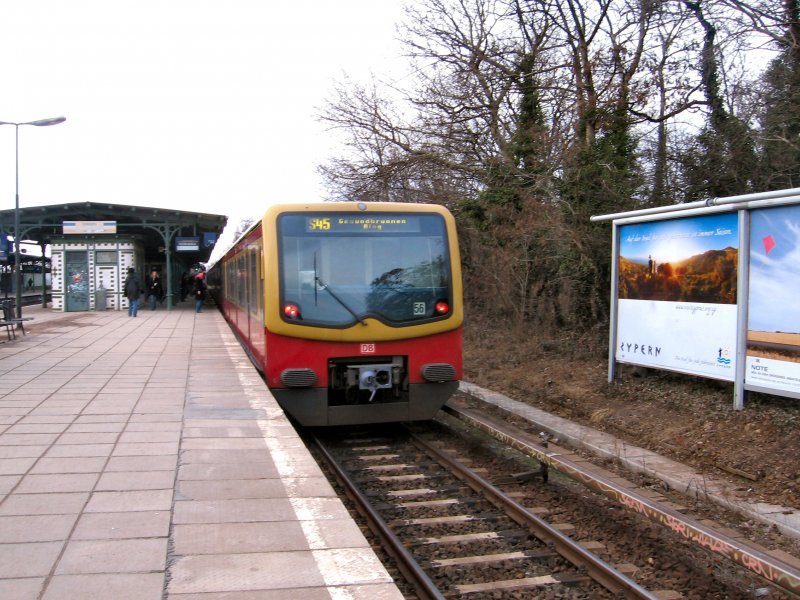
point(17, 266)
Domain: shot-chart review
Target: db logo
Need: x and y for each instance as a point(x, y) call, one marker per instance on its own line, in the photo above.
point(367, 348)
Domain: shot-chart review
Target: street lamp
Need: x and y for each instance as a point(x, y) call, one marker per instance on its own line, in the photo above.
point(17, 266)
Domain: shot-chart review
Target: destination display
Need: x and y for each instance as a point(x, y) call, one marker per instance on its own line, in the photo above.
point(387, 223)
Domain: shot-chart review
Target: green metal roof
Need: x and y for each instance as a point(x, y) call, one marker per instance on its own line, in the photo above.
point(152, 226)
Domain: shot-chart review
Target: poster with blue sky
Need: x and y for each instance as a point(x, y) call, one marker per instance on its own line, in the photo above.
point(773, 336)
point(677, 294)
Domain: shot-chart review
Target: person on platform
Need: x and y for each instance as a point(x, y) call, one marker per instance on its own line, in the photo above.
point(155, 291)
point(186, 285)
point(132, 292)
point(199, 291)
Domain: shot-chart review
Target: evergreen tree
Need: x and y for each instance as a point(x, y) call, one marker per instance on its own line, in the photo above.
point(780, 124)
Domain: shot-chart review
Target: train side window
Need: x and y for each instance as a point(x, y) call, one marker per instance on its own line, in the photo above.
point(260, 280)
point(246, 279)
point(229, 280)
point(241, 274)
point(252, 264)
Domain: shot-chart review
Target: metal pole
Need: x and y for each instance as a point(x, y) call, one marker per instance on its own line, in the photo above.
point(742, 295)
point(790, 194)
point(168, 260)
point(614, 314)
point(17, 266)
point(44, 275)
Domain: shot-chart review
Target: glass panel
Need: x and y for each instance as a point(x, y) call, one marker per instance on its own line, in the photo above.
point(77, 284)
point(340, 268)
point(230, 281)
point(260, 280)
point(253, 254)
point(241, 274)
point(105, 257)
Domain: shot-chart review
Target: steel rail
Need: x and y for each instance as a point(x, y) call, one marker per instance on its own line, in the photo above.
point(414, 574)
point(599, 570)
point(770, 568)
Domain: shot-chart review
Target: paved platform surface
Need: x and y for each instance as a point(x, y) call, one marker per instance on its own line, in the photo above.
point(143, 458)
point(677, 476)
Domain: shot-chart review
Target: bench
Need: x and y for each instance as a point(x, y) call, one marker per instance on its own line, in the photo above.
point(11, 322)
point(9, 328)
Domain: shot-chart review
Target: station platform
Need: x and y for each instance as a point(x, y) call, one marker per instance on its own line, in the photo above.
point(144, 458)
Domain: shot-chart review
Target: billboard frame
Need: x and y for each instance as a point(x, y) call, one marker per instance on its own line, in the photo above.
point(743, 205)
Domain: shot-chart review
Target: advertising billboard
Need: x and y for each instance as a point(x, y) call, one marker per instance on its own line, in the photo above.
point(773, 316)
point(677, 291)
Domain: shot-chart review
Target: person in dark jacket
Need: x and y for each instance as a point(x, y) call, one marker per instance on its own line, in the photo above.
point(155, 291)
point(186, 284)
point(132, 292)
point(199, 291)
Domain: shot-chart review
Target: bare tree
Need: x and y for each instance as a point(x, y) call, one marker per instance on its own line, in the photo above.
point(526, 117)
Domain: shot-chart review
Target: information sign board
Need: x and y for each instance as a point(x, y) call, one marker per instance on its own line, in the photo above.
point(89, 227)
point(187, 244)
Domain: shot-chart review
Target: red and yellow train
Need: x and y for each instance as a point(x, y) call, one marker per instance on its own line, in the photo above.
point(352, 311)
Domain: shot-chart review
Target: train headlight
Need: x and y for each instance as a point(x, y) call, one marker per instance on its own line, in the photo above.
point(442, 307)
point(291, 310)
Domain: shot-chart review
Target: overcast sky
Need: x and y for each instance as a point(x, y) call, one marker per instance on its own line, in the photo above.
point(197, 105)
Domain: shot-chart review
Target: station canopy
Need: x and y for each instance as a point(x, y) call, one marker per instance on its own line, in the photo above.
point(158, 229)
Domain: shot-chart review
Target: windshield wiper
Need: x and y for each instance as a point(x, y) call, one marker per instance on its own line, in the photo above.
point(324, 286)
point(319, 284)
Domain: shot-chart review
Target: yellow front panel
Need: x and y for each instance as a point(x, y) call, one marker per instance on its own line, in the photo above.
point(372, 329)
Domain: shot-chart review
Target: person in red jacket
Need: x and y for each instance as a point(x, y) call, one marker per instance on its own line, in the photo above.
point(199, 290)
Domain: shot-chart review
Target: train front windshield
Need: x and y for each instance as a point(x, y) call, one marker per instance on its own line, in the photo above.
point(339, 268)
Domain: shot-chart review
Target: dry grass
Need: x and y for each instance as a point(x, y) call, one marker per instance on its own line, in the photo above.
point(687, 418)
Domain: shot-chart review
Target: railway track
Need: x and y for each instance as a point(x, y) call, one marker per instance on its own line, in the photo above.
point(773, 568)
point(28, 299)
point(494, 531)
point(456, 534)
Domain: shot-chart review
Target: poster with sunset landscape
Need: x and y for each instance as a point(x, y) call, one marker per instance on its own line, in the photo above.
point(773, 327)
point(676, 301)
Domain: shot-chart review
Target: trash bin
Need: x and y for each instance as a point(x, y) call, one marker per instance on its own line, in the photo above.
point(100, 298)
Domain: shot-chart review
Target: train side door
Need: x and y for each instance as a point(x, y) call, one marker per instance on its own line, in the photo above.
point(255, 298)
